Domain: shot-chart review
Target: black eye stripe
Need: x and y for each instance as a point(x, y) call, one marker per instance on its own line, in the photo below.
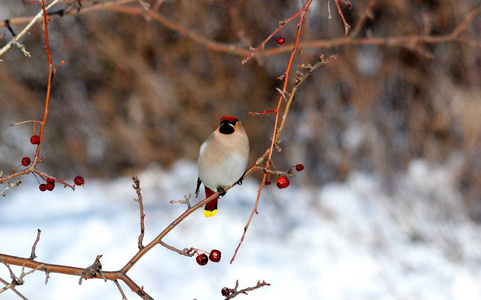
point(227, 122)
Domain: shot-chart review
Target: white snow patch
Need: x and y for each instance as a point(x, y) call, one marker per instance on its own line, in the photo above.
point(351, 240)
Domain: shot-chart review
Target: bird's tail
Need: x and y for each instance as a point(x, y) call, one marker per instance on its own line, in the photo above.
point(210, 208)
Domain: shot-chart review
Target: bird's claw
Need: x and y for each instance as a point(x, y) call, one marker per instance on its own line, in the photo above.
point(221, 191)
point(239, 182)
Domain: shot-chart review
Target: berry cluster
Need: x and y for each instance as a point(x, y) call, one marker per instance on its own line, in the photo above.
point(49, 184)
point(35, 140)
point(203, 259)
point(282, 182)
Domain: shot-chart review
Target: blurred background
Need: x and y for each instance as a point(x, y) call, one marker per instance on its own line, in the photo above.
point(133, 92)
point(135, 95)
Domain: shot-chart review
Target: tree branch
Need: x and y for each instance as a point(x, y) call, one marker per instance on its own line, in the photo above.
point(60, 269)
point(275, 134)
point(232, 293)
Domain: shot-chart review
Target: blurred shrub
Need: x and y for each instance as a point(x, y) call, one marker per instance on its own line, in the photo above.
point(133, 92)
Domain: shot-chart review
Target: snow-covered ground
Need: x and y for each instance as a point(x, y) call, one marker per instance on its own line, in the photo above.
point(352, 240)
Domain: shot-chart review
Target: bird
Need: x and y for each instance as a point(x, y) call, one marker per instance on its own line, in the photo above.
point(223, 159)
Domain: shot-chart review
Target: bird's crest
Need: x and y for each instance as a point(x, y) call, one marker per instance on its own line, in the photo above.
point(230, 119)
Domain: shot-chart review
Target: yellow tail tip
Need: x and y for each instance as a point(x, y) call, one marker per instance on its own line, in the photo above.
point(209, 213)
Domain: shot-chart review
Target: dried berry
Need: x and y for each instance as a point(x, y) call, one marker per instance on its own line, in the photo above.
point(50, 186)
point(214, 256)
point(43, 187)
point(299, 167)
point(26, 161)
point(282, 182)
point(225, 291)
point(268, 182)
point(202, 259)
point(79, 180)
point(35, 139)
point(50, 180)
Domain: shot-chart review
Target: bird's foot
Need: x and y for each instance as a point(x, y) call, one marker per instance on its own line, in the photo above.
point(239, 182)
point(221, 191)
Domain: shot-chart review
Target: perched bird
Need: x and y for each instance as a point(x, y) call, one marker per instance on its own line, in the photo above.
point(222, 160)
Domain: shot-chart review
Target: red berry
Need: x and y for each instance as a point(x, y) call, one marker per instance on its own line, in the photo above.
point(26, 161)
point(79, 180)
point(202, 259)
point(34, 139)
point(268, 182)
point(50, 180)
point(43, 187)
point(214, 256)
point(280, 41)
point(299, 167)
point(50, 186)
point(225, 291)
point(282, 182)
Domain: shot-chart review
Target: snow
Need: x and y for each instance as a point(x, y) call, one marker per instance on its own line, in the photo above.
point(352, 240)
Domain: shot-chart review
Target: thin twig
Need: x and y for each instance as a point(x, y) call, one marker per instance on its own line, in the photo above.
point(25, 122)
point(49, 84)
point(47, 275)
point(33, 255)
point(346, 25)
point(11, 288)
point(17, 280)
point(15, 39)
point(263, 44)
point(298, 81)
point(9, 186)
point(276, 172)
point(29, 272)
point(186, 251)
point(137, 188)
point(185, 201)
point(70, 10)
point(120, 289)
point(10, 271)
point(232, 293)
point(367, 15)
